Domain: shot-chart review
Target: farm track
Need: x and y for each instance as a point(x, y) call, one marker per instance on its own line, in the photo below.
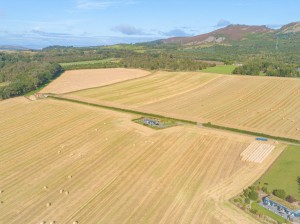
point(113, 171)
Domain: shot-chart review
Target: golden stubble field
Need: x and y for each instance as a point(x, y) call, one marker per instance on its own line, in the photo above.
point(71, 163)
point(87, 78)
point(268, 105)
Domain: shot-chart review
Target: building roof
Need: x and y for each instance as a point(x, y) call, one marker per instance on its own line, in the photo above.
point(284, 203)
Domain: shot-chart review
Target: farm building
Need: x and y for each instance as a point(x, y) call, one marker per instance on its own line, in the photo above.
point(282, 208)
point(151, 122)
point(40, 95)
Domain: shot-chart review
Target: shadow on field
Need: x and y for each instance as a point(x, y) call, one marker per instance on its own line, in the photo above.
point(298, 181)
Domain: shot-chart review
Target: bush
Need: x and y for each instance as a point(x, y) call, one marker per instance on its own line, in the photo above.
point(253, 195)
point(265, 189)
point(290, 199)
point(246, 192)
point(254, 211)
point(280, 193)
point(247, 200)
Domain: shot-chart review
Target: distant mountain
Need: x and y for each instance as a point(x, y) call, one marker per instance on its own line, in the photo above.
point(232, 33)
point(13, 48)
point(229, 33)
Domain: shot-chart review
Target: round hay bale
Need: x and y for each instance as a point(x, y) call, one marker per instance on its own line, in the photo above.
point(42, 222)
point(58, 151)
point(70, 176)
point(48, 204)
point(52, 222)
point(75, 222)
point(67, 192)
point(45, 187)
point(1, 191)
point(61, 191)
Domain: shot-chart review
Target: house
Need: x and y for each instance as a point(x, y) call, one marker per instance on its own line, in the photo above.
point(281, 207)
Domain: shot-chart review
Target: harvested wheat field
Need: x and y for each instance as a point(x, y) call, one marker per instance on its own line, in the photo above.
point(70, 163)
point(88, 78)
point(261, 104)
point(154, 88)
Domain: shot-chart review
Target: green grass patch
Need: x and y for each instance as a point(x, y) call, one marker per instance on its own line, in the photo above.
point(2, 84)
point(124, 110)
point(89, 62)
point(290, 140)
point(266, 212)
point(285, 173)
point(36, 90)
point(94, 64)
point(220, 69)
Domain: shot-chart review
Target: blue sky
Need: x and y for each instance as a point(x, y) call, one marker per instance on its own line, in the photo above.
point(39, 23)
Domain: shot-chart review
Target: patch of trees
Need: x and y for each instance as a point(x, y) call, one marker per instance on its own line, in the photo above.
point(251, 193)
point(162, 62)
point(268, 69)
point(70, 54)
point(23, 77)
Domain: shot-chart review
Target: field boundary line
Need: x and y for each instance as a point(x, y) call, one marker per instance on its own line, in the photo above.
point(283, 139)
point(206, 125)
point(122, 110)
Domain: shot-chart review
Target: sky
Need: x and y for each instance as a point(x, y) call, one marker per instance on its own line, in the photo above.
point(40, 23)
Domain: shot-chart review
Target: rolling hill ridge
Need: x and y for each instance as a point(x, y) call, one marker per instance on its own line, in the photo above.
point(232, 33)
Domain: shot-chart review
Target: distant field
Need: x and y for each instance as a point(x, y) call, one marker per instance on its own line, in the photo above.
point(150, 89)
point(285, 172)
point(220, 69)
point(89, 62)
point(79, 163)
point(87, 78)
point(259, 104)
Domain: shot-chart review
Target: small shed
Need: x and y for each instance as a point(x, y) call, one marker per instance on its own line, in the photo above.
point(151, 122)
point(282, 207)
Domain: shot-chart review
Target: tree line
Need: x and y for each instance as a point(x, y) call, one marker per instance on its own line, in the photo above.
point(279, 69)
point(163, 62)
point(22, 77)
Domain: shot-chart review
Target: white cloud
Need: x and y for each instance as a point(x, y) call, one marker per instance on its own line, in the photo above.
point(176, 33)
point(128, 30)
point(102, 4)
